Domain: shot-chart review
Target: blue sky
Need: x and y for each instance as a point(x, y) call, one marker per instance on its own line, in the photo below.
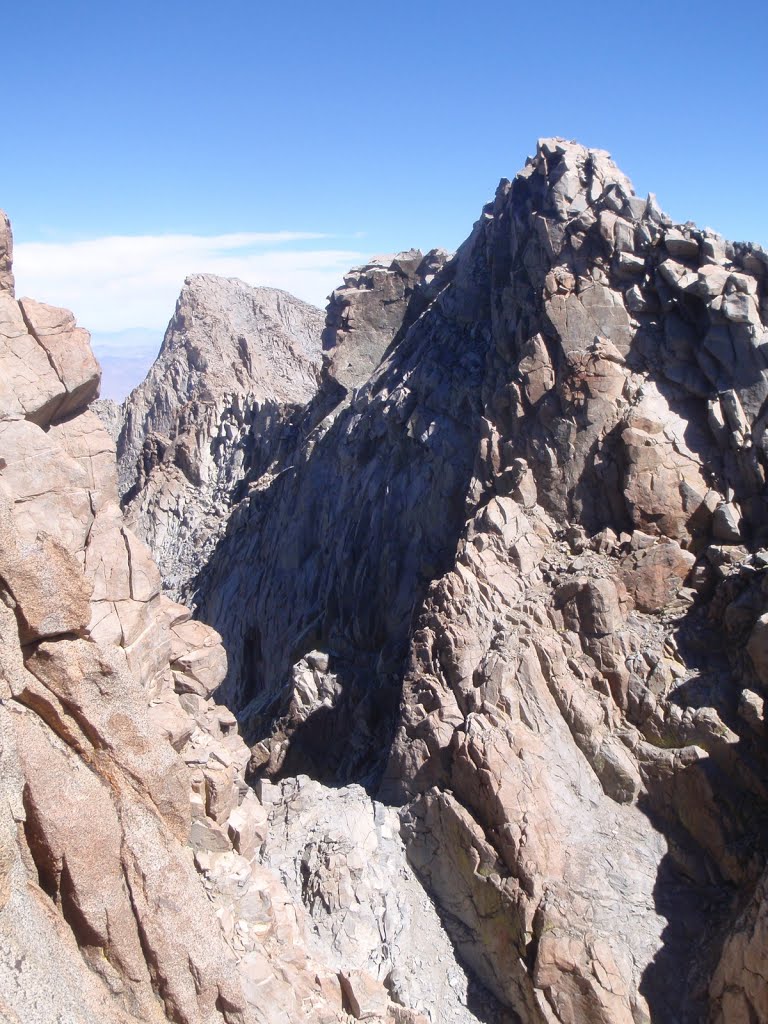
point(282, 142)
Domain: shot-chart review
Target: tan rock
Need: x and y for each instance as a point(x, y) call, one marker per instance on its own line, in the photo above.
point(536, 367)
point(6, 254)
point(28, 384)
point(247, 825)
point(94, 688)
point(199, 661)
point(106, 557)
point(179, 929)
point(654, 575)
point(49, 488)
point(147, 655)
point(367, 998)
point(85, 878)
point(69, 349)
point(168, 719)
point(664, 483)
point(145, 576)
point(46, 581)
point(220, 792)
point(85, 439)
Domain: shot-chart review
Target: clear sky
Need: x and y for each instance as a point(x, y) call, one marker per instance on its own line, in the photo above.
point(284, 141)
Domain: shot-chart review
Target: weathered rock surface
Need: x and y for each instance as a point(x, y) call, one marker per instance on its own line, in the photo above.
point(235, 364)
point(222, 402)
point(340, 853)
point(513, 582)
point(110, 413)
point(130, 884)
point(373, 308)
point(6, 255)
point(494, 602)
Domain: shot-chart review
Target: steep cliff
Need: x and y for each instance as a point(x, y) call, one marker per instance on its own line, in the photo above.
point(131, 887)
point(235, 364)
point(514, 583)
point(375, 305)
point(235, 383)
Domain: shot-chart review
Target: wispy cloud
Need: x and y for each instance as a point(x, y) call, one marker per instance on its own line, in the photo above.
point(125, 281)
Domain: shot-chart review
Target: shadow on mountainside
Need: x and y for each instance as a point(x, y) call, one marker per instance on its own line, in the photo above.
point(336, 552)
point(714, 816)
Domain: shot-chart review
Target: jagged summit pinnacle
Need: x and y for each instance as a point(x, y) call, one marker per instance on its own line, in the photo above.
point(578, 176)
point(465, 588)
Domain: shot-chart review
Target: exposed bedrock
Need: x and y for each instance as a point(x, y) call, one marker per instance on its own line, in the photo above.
point(373, 309)
point(131, 885)
point(513, 583)
point(235, 365)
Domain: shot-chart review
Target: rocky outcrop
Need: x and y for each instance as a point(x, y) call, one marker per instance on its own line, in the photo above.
point(235, 382)
point(6, 255)
point(130, 881)
point(235, 364)
point(46, 370)
point(373, 308)
point(514, 584)
point(111, 415)
point(341, 855)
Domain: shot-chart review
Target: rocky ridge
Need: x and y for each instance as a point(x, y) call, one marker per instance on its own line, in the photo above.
point(501, 590)
point(514, 583)
point(239, 377)
point(131, 887)
point(374, 307)
point(235, 363)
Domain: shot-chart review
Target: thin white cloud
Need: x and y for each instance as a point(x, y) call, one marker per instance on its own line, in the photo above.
point(122, 281)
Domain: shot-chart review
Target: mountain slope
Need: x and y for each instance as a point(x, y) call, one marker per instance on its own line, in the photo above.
point(527, 550)
point(235, 362)
point(131, 883)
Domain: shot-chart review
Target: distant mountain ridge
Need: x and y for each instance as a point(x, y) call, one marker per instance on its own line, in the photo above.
point(234, 362)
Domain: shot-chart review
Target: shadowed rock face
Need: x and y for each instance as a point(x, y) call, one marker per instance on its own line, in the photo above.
point(236, 378)
point(514, 584)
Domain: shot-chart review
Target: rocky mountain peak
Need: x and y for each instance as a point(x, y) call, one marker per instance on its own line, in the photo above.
point(235, 363)
point(213, 326)
point(491, 577)
point(574, 178)
point(225, 338)
point(490, 569)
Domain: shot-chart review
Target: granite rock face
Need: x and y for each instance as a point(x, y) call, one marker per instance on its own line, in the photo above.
point(235, 364)
point(513, 583)
point(130, 882)
point(240, 374)
point(373, 308)
point(340, 854)
point(6, 255)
